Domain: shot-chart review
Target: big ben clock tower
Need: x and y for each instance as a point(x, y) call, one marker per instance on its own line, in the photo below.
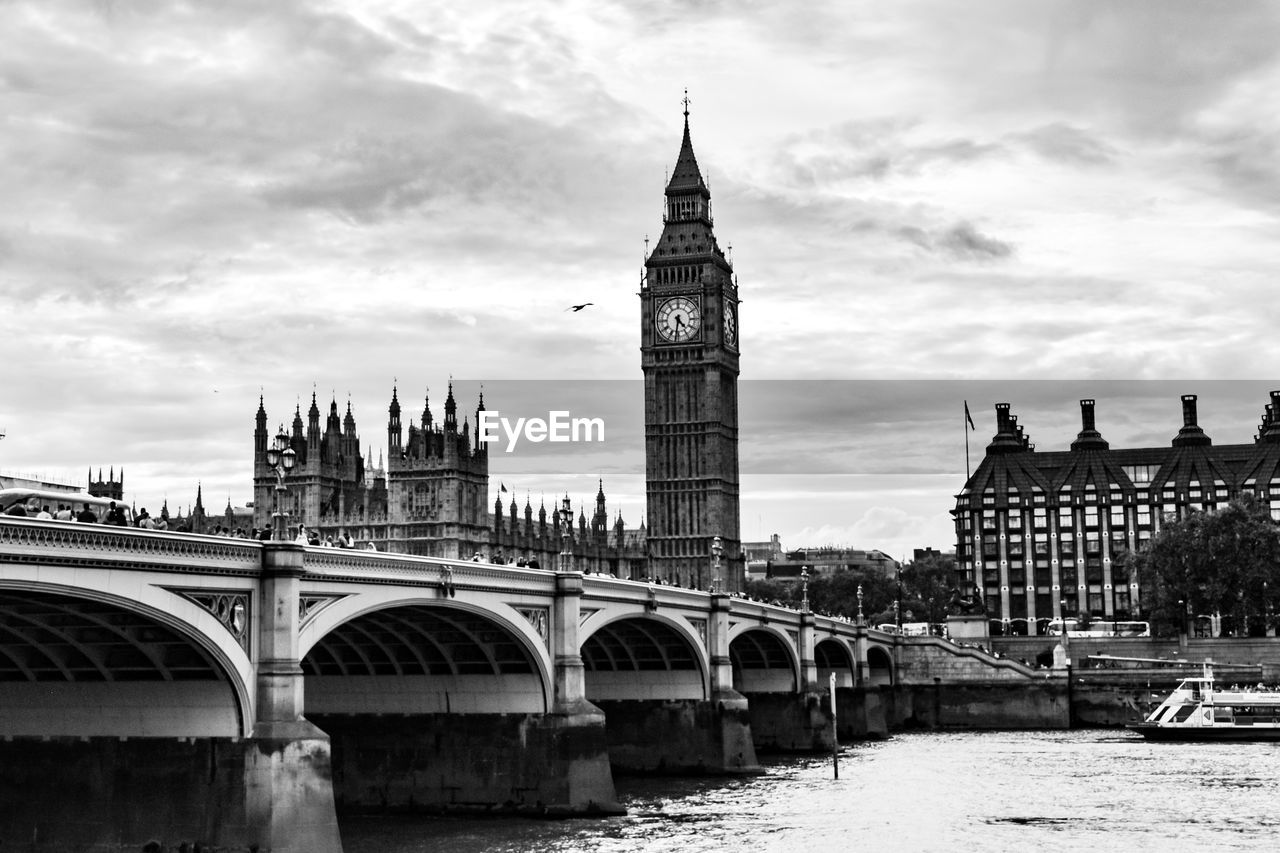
point(689, 353)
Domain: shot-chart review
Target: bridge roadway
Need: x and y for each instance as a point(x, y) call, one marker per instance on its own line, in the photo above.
point(164, 686)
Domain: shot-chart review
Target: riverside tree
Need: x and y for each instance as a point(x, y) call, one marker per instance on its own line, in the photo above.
point(1220, 562)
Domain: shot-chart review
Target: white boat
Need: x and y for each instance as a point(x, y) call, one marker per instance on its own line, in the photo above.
point(1199, 710)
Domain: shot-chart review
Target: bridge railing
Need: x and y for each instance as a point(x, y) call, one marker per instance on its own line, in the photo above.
point(106, 546)
point(355, 565)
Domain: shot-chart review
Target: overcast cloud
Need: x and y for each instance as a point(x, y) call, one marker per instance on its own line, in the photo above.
point(205, 202)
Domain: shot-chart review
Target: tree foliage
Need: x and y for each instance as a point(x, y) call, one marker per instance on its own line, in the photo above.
point(835, 594)
point(926, 588)
point(1224, 562)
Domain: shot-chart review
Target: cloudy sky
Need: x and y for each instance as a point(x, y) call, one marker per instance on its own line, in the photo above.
point(205, 202)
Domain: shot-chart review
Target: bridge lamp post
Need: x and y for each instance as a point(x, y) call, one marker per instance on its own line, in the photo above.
point(280, 456)
point(804, 589)
point(717, 551)
point(897, 602)
point(862, 620)
point(566, 518)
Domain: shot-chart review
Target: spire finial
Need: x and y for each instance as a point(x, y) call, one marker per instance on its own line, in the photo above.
point(686, 103)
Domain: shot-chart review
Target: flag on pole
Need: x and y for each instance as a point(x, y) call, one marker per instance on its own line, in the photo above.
point(502, 487)
point(968, 418)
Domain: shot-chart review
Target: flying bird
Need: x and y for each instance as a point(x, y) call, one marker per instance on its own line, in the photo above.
point(579, 307)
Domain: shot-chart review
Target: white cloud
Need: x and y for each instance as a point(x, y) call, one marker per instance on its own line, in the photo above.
point(244, 196)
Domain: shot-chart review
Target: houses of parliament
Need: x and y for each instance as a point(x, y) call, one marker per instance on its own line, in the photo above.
point(431, 497)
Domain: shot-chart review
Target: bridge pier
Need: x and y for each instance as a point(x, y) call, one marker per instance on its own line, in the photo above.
point(119, 791)
point(287, 771)
point(550, 763)
point(709, 735)
point(790, 722)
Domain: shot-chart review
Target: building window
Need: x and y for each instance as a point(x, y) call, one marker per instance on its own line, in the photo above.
point(1040, 518)
point(1064, 517)
point(1090, 516)
point(1015, 520)
point(1138, 474)
point(1068, 547)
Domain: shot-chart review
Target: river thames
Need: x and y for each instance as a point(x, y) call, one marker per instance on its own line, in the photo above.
point(1098, 790)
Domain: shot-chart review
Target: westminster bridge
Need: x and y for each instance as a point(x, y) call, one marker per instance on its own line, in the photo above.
point(159, 685)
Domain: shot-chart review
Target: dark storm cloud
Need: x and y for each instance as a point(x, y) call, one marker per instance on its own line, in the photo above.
point(874, 149)
point(960, 241)
point(1064, 142)
point(1244, 159)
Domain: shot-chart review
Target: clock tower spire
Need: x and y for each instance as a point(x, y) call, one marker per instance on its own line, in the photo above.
point(689, 356)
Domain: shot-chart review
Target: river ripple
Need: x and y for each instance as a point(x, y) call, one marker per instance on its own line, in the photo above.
point(990, 792)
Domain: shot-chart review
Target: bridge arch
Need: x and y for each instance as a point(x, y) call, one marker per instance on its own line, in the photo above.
point(879, 665)
point(637, 656)
point(76, 660)
point(834, 657)
point(764, 660)
point(421, 655)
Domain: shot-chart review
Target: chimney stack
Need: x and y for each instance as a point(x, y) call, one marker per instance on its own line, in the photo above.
point(1190, 434)
point(1089, 437)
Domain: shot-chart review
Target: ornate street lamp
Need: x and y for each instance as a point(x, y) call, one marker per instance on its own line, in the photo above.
point(717, 551)
point(862, 620)
point(280, 456)
point(804, 589)
point(566, 519)
point(897, 602)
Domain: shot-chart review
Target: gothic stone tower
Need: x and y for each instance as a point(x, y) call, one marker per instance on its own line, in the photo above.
point(437, 483)
point(327, 481)
point(689, 355)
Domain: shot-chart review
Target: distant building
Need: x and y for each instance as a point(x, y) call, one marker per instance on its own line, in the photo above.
point(110, 488)
point(1042, 534)
point(829, 560)
point(759, 555)
point(920, 554)
point(13, 480)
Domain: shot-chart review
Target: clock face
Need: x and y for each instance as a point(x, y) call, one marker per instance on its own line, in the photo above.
point(730, 326)
point(679, 320)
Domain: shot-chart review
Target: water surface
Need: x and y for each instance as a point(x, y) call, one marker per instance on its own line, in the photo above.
point(1030, 792)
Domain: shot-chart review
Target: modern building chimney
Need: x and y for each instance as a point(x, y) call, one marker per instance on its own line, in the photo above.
point(1089, 437)
point(1269, 431)
point(1190, 434)
point(1007, 438)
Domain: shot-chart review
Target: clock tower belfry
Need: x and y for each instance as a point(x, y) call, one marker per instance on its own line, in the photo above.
point(689, 339)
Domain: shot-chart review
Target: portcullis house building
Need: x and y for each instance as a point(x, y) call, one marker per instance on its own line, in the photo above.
point(1043, 534)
